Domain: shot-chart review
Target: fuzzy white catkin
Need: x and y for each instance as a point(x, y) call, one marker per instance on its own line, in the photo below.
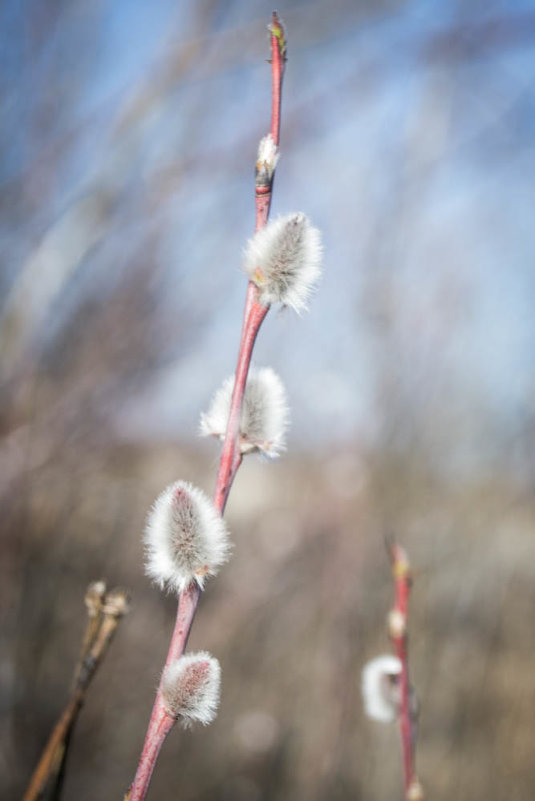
point(185, 538)
point(379, 691)
point(264, 418)
point(190, 688)
point(283, 259)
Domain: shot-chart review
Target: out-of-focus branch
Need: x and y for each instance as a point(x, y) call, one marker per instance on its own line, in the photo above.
point(104, 611)
point(397, 625)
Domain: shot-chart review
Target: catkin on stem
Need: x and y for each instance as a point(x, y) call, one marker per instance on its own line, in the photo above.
point(190, 688)
point(185, 538)
point(264, 416)
point(283, 259)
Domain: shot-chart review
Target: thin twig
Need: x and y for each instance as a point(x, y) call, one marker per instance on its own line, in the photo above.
point(161, 723)
point(94, 602)
point(104, 613)
point(398, 627)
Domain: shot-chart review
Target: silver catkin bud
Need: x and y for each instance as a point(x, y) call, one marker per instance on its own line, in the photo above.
point(190, 688)
point(264, 418)
point(185, 538)
point(283, 259)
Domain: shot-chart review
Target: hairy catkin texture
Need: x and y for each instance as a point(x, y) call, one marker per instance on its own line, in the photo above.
point(190, 688)
point(264, 417)
point(185, 538)
point(283, 259)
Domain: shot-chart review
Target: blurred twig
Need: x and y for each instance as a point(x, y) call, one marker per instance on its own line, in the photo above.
point(104, 610)
point(397, 624)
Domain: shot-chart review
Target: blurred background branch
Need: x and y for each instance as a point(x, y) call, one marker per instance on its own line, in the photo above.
point(104, 611)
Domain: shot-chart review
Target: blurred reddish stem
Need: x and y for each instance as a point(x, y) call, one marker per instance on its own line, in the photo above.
point(398, 621)
point(161, 723)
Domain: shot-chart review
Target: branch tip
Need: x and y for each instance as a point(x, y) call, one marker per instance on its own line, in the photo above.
point(94, 597)
point(276, 30)
point(401, 567)
point(116, 603)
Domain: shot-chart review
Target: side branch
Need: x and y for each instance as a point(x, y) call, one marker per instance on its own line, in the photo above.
point(254, 311)
point(104, 613)
point(397, 623)
point(278, 61)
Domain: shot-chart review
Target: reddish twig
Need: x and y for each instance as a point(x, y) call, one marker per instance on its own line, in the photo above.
point(397, 624)
point(263, 189)
point(254, 311)
point(160, 723)
point(230, 455)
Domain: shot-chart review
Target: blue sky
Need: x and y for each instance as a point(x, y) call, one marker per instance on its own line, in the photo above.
point(414, 158)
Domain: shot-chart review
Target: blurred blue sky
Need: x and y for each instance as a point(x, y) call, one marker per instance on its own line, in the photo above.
point(407, 137)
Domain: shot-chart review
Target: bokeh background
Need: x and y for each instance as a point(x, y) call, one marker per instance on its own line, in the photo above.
point(128, 137)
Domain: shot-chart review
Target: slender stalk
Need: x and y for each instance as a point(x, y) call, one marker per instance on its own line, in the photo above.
point(263, 190)
point(108, 610)
point(255, 312)
point(398, 632)
point(94, 602)
point(160, 723)
point(49, 764)
point(230, 455)
point(278, 60)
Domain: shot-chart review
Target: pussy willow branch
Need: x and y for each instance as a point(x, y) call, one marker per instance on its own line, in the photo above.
point(104, 613)
point(161, 723)
point(401, 573)
point(254, 312)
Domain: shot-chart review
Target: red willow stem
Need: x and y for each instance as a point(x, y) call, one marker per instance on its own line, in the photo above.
point(230, 455)
point(161, 723)
point(278, 60)
point(263, 191)
point(254, 312)
point(398, 631)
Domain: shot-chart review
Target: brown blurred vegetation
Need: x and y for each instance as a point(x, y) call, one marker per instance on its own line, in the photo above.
point(293, 617)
